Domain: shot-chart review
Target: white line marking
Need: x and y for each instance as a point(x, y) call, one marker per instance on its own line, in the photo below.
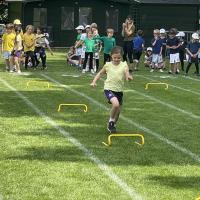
point(122, 184)
point(190, 114)
point(158, 136)
point(194, 79)
point(180, 88)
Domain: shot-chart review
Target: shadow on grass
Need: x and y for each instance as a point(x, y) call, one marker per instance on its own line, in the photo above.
point(178, 182)
point(51, 154)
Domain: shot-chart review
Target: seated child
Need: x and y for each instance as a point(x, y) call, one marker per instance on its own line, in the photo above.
point(148, 57)
point(72, 58)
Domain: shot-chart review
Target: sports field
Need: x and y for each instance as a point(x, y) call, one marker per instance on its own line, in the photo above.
point(50, 155)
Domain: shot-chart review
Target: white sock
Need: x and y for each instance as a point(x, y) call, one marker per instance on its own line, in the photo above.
point(111, 120)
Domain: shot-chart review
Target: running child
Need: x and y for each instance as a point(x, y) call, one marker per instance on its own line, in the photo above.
point(117, 72)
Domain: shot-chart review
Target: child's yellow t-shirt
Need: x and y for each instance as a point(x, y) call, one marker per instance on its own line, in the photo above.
point(115, 76)
point(8, 41)
point(29, 42)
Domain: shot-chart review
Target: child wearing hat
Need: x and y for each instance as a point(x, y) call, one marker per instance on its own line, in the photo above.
point(193, 49)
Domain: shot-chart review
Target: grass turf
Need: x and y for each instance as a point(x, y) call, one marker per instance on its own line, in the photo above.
point(37, 162)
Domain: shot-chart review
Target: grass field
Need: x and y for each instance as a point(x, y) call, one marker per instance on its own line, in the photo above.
point(47, 154)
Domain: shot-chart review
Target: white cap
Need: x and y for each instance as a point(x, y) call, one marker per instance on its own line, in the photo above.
point(162, 30)
point(195, 36)
point(181, 34)
point(149, 49)
point(80, 27)
point(87, 26)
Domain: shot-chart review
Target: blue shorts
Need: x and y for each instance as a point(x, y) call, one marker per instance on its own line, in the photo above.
point(6, 54)
point(110, 94)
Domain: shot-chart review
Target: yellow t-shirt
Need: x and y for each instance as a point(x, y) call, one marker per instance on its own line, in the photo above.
point(29, 42)
point(115, 76)
point(8, 41)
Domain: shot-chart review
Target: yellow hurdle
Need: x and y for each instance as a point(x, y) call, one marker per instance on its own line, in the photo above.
point(124, 135)
point(28, 83)
point(147, 85)
point(73, 104)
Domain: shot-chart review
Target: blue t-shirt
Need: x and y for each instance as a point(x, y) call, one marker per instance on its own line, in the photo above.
point(193, 47)
point(138, 43)
point(157, 46)
point(173, 42)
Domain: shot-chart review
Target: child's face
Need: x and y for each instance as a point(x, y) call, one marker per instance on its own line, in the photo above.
point(79, 31)
point(38, 31)
point(156, 35)
point(116, 58)
point(110, 34)
point(149, 52)
point(89, 34)
point(29, 30)
point(171, 36)
point(9, 30)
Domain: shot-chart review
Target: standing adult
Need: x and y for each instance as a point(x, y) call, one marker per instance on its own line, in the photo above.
point(128, 30)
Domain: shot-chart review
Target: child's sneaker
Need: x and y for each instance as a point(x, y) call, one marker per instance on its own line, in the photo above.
point(111, 127)
point(83, 71)
point(169, 72)
point(161, 70)
point(92, 71)
point(152, 70)
point(19, 72)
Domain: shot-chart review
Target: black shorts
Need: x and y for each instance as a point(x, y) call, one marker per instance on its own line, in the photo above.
point(136, 54)
point(110, 94)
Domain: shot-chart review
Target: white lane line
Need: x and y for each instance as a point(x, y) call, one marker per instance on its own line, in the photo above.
point(174, 86)
point(158, 136)
point(194, 79)
point(107, 171)
point(190, 114)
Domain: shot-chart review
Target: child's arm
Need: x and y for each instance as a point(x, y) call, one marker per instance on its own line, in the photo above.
point(79, 43)
point(98, 76)
point(127, 75)
point(50, 49)
point(188, 51)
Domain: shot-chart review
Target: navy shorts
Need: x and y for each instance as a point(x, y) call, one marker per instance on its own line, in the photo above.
point(110, 94)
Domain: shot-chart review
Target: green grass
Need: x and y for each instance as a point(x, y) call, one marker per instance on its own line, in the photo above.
point(39, 163)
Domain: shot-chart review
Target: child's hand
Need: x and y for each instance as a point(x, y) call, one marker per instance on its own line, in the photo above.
point(93, 84)
point(129, 78)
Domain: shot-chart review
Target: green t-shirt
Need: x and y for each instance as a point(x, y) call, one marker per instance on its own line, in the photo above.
point(109, 43)
point(89, 44)
point(115, 76)
point(98, 42)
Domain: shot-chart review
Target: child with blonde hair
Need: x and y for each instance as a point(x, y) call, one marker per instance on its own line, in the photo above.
point(29, 45)
point(17, 51)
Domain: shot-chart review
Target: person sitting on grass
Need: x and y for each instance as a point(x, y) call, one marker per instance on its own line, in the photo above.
point(148, 57)
point(72, 58)
point(117, 72)
point(193, 49)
